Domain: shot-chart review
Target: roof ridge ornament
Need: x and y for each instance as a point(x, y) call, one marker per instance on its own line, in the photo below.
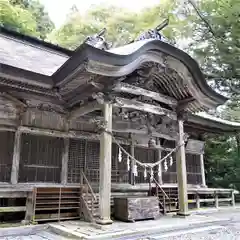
point(98, 40)
point(155, 33)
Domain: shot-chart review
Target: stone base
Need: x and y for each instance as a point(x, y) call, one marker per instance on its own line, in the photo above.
point(104, 221)
point(182, 215)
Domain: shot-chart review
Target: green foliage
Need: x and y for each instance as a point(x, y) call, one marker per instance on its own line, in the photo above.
point(212, 31)
point(216, 46)
point(215, 43)
point(17, 18)
point(222, 162)
point(122, 26)
point(25, 16)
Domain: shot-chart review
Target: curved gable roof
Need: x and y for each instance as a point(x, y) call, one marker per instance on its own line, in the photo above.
point(39, 59)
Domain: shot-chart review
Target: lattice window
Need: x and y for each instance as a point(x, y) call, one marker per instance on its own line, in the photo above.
point(146, 155)
point(169, 176)
point(40, 159)
point(194, 175)
point(92, 160)
point(77, 159)
point(6, 155)
point(120, 173)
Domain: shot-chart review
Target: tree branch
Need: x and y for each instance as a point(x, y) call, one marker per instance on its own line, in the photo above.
point(202, 18)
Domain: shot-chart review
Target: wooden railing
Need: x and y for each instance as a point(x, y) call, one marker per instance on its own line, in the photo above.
point(164, 195)
point(88, 198)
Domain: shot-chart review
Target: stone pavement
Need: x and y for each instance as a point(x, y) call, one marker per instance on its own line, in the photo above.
point(32, 232)
point(139, 230)
point(41, 235)
point(83, 230)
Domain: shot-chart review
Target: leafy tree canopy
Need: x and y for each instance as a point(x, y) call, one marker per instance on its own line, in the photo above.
point(209, 29)
point(25, 16)
point(122, 25)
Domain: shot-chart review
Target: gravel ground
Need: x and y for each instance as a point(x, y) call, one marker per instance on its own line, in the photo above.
point(229, 230)
point(226, 230)
point(42, 235)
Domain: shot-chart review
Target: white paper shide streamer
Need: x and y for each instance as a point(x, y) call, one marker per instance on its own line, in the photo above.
point(165, 165)
point(119, 155)
point(171, 161)
point(159, 170)
point(135, 171)
point(151, 173)
point(145, 173)
point(128, 163)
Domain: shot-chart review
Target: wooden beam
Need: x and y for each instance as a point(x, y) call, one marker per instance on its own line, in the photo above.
point(13, 99)
point(202, 170)
point(105, 168)
point(184, 103)
point(145, 107)
point(13, 209)
point(143, 132)
point(182, 172)
point(127, 88)
point(69, 134)
point(16, 157)
point(85, 109)
point(65, 155)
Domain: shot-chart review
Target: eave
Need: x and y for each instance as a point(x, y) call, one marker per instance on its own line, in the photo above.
point(111, 64)
point(87, 63)
point(212, 124)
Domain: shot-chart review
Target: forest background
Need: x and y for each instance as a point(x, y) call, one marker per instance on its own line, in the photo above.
point(208, 30)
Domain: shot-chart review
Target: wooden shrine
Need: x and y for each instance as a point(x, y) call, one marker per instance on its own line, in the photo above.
point(113, 118)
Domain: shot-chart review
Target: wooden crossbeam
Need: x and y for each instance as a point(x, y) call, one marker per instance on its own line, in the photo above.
point(127, 88)
point(143, 132)
point(13, 99)
point(85, 109)
point(145, 107)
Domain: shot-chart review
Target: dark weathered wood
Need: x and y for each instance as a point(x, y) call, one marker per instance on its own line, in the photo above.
point(132, 177)
point(13, 209)
point(105, 168)
point(13, 99)
point(127, 88)
point(131, 208)
point(29, 207)
point(65, 155)
point(182, 171)
point(132, 104)
point(16, 157)
point(142, 132)
point(85, 109)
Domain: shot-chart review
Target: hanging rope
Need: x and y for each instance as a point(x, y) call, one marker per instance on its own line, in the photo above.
point(149, 165)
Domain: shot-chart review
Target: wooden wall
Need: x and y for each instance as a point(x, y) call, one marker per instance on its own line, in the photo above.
point(6, 155)
point(41, 157)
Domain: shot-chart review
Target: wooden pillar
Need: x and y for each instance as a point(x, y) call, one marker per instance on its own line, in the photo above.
point(182, 172)
point(233, 198)
point(105, 167)
point(198, 204)
point(16, 157)
point(160, 180)
point(132, 179)
point(202, 170)
point(216, 200)
point(65, 155)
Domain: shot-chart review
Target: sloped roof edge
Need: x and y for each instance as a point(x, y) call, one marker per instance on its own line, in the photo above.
point(87, 53)
point(34, 41)
point(212, 123)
